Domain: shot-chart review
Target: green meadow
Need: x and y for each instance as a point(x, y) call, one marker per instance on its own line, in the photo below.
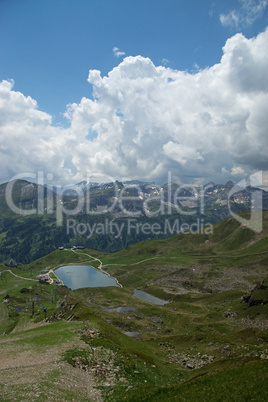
point(208, 342)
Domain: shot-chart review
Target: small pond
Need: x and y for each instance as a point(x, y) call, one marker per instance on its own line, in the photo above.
point(83, 276)
point(119, 309)
point(149, 298)
point(133, 334)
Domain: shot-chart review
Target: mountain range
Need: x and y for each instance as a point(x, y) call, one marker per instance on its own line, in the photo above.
point(36, 219)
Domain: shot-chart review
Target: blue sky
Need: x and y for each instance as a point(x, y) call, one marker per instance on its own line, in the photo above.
point(48, 47)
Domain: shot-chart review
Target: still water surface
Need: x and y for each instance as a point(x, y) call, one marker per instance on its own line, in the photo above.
point(83, 276)
point(149, 298)
point(119, 309)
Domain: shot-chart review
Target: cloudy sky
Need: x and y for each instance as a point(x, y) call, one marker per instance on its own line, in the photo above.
point(124, 89)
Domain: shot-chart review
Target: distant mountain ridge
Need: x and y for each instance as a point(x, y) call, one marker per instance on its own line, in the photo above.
point(111, 215)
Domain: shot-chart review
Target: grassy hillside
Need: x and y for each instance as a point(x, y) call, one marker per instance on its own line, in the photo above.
point(209, 342)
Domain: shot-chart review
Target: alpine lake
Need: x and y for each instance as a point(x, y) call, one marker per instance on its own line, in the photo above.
point(85, 276)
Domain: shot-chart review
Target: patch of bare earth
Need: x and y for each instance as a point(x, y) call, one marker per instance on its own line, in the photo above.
point(30, 374)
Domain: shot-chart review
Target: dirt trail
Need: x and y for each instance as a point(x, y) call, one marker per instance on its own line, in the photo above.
point(17, 276)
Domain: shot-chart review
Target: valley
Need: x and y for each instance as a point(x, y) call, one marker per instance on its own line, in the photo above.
point(134, 201)
point(111, 216)
point(208, 341)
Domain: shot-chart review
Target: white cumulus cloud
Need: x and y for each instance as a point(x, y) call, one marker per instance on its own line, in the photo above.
point(145, 120)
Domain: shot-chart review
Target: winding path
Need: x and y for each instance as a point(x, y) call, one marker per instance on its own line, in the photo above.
point(100, 268)
point(17, 276)
point(134, 263)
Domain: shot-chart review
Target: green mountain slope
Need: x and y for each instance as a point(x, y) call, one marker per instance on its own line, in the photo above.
point(209, 341)
point(34, 220)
